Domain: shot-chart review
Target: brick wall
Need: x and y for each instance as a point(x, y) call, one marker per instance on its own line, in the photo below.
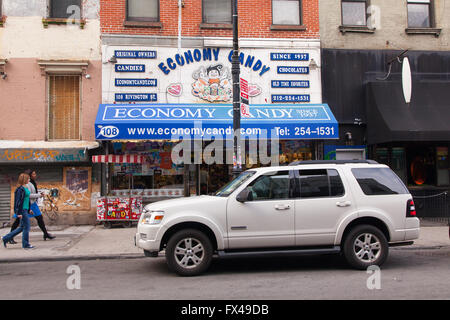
point(255, 20)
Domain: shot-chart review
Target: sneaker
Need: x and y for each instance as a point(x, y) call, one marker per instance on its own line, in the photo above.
point(30, 247)
point(4, 242)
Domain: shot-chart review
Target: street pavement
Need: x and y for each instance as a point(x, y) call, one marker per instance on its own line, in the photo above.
point(95, 242)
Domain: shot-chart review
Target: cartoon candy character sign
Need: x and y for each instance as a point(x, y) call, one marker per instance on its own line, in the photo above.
point(213, 83)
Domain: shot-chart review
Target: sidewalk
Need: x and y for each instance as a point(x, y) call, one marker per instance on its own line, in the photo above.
point(73, 243)
point(95, 242)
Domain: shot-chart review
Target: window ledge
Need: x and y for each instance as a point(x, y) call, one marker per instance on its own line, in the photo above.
point(63, 66)
point(216, 25)
point(62, 21)
point(142, 24)
point(435, 31)
point(360, 29)
point(287, 27)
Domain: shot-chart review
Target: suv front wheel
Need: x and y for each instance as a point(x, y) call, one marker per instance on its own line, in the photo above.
point(189, 252)
point(364, 246)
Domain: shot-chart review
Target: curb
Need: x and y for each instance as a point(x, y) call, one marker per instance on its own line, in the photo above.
point(436, 247)
point(129, 256)
point(70, 258)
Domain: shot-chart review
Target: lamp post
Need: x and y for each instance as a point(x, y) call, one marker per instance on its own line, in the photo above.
point(235, 71)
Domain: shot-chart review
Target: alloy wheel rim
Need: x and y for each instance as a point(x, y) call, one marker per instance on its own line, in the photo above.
point(367, 247)
point(189, 253)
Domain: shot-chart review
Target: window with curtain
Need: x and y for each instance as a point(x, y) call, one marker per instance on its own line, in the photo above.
point(64, 107)
point(143, 10)
point(354, 12)
point(65, 9)
point(217, 11)
point(287, 12)
point(419, 14)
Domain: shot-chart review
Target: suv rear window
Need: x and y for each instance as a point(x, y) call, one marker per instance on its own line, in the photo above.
point(379, 181)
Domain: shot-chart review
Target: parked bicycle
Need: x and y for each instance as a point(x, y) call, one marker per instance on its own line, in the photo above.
point(49, 206)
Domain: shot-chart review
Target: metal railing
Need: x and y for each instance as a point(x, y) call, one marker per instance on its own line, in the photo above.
point(432, 203)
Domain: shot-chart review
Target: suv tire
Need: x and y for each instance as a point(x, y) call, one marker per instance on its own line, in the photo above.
point(365, 246)
point(189, 252)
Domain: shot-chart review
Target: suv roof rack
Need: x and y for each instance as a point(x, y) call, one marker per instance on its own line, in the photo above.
point(295, 163)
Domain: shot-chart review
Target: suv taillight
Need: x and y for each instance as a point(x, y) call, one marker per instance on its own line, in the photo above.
point(410, 209)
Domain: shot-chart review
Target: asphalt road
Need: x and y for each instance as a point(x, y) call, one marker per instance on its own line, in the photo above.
point(408, 274)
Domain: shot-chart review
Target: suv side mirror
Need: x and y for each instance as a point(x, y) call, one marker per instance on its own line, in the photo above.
point(245, 195)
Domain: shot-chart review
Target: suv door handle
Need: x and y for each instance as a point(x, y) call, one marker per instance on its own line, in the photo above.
point(282, 207)
point(344, 204)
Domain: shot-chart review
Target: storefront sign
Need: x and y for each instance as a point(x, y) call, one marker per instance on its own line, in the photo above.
point(163, 121)
point(290, 84)
point(130, 67)
point(203, 75)
point(189, 56)
point(42, 155)
point(250, 62)
point(147, 97)
point(292, 70)
point(136, 82)
point(135, 54)
point(290, 98)
point(277, 56)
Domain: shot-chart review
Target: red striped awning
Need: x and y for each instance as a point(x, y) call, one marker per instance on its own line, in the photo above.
point(111, 158)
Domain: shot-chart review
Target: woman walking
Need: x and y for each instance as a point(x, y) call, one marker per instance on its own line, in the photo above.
point(21, 209)
point(34, 208)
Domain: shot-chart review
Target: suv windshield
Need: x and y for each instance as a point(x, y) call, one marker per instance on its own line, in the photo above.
point(228, 189)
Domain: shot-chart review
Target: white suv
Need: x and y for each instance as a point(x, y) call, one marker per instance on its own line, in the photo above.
point(358, 208)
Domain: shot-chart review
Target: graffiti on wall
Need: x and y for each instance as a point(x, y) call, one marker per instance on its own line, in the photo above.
point(42, 155)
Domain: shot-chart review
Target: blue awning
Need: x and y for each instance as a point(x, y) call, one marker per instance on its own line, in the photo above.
point(212, 121)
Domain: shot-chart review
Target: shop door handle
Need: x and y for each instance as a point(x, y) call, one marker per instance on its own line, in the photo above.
point(344, 204)
point(282, 207)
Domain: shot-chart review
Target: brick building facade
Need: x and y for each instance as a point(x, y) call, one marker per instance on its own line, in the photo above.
point(147, 59)
point(255, 21)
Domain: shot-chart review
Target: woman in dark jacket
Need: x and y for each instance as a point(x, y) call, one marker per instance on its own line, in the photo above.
point(34, 208)
point(21, 209)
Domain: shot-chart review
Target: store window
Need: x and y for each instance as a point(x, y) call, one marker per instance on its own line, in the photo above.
point(421, 164)
point(295, 150)
point(419, 14)
point(143, 10)
point(155, 177)
point(286, 12)
point(65, 9)
point(354, 12)
point(217, 11)
point(64, 107)
point(442, 166)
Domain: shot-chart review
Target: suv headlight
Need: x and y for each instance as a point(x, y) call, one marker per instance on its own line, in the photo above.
point(152, 217)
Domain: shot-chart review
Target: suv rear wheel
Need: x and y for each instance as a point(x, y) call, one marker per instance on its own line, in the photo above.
point(189, 252)
point(364, 246)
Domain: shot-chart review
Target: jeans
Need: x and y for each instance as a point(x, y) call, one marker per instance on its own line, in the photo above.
point(39, 218)
point(24, 228)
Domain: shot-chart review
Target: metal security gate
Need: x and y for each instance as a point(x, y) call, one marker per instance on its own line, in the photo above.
point(5, 199)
